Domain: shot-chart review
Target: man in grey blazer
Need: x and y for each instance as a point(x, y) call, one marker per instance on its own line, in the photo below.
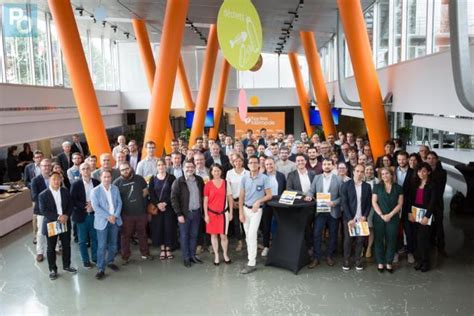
point(107, 205)
point(327, 182)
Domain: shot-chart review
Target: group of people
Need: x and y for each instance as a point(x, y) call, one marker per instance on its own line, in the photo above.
point(219, 188)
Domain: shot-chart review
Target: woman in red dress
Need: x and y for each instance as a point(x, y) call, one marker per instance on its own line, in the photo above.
point(216, 214)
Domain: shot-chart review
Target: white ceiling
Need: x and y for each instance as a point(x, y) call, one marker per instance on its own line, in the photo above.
point(318, 16)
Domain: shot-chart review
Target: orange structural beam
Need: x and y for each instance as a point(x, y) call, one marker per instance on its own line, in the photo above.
point(221, 90)
point(319, 84)
point(205, 85)
point(300, 91)
point(365, 74)
point(81, 83)
point(184, 86)
point(165, 74)
point(146, 55)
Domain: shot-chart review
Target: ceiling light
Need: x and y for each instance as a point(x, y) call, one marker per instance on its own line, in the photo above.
point(301, 3)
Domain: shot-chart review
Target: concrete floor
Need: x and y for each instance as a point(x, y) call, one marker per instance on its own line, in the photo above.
point(168, 288)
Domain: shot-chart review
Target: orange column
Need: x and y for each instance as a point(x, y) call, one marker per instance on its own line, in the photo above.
point(184, 86)
point(300, 91)
point(165, 75)
point(365, 74)
point(205, 85)
point(82, 87)
point(146, 55)
point(221, 90)
point(319, 84)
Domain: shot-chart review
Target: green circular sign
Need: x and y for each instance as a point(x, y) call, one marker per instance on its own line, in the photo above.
point(240, 33)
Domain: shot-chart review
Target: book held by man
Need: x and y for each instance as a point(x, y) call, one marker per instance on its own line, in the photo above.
point(56, 228)
point(322, 200)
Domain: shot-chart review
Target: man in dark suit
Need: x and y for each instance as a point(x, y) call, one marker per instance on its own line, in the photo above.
point(217, 156)
point(33, 169)
point(249, 139)
point(79, 147)
point(38, 185)
point(83, 214)
point(65, 158)
point(56, 206)
point(356, 202)
point(439, 178)
point(404, 178)
point(263, 137)
point(277, 185)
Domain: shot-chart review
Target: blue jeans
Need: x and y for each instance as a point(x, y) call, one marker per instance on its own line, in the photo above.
point(87, 232)
point(320, 222)
point(188, 233)
point(106, 242)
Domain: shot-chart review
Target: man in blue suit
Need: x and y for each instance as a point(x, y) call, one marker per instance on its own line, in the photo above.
point(83, 213)
point(107, 205)
point(55, 205)
point(356, 201)
point(33, 169)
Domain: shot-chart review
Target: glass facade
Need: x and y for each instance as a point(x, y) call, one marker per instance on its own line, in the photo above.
point(35, 57)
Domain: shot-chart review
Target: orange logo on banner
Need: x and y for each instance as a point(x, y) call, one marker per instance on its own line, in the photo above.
point(274, 122)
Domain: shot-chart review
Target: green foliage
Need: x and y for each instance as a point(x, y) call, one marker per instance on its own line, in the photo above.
point(186, 133)
point(404, 133)
point(465, 142)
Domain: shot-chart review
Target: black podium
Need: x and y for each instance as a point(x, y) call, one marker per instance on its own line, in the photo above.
point(288, 248)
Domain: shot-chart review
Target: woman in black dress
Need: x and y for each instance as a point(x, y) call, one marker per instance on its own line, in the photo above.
point(14, 165)
point(163, 220)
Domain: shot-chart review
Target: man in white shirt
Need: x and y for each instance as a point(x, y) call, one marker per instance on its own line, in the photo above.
point(176, 165)
point(134, 156)
point(147, 167)
point(201, 170)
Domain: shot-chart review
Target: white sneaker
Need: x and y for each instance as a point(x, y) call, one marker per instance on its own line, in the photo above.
point(265, 252)
point(411, 258)
point(395, 258)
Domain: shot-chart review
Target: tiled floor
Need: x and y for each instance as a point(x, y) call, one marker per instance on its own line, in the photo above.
point(168, 288)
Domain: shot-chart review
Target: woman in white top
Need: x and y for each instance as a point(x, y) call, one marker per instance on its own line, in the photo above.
point(369, 177)
point(234, 180)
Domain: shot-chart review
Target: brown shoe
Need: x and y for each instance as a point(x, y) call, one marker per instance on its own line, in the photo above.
point(39, 258)
point(313, 264)
point(329, 261)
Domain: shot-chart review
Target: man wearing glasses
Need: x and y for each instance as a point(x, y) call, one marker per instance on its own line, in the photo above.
point(147, 167)
point(106, 165)
point(133, 192)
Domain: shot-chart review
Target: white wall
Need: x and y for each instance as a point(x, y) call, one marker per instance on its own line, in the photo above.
point(34, 124)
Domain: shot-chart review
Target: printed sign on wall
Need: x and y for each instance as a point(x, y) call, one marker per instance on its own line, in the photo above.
point(274, 122)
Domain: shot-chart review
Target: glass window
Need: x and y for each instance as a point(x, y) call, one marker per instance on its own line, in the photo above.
point(266, 77)
point(108, 65)
point(348, 71)
point(40, 52)
point(416, 33)
point(286, 74)
point(56, 56)
point(397, 30)
point(97, 63)
point(441, 24)
point(369, 22)
point(383, 34)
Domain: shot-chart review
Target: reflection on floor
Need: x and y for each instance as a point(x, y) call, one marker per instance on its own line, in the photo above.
point(168, 288)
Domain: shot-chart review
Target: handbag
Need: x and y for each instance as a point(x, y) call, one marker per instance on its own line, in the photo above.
point(151, 208)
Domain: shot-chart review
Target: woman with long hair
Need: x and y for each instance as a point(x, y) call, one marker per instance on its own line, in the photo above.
point(216, 214)
point(422, 196)
point(163, 218)
point(387, 201)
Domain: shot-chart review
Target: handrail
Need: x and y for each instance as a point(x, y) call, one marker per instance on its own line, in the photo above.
point(460, 53)
point(341, 65)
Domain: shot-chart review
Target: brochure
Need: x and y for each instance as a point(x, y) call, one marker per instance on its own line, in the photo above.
point(288, 197)
point(322, 200)
point(359, 229)
point(419, 213)
point(56, 228)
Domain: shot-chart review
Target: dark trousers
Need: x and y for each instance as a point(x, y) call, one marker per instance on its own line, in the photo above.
point(132, 224)
point(308, 231)
point(202, 239)
point(438, 229)
point(320, 221)
point(267, 216)
point(163, 228)
point(86, 232)
point(423, 234)
point(238, 230)
point(385, 239)
point(66, 250)
point(348, 244)
point(188, 233)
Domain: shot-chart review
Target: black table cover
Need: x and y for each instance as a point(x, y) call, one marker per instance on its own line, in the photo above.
point(288, 248)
